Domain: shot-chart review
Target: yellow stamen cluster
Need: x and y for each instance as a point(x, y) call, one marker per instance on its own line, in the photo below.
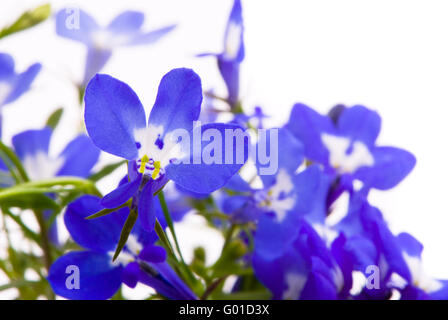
point(145, 160)
point(156, 169)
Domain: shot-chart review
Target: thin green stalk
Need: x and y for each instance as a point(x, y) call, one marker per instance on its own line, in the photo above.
point(169, 221)
point(27, 231)
point(45, 242)
point(15, 160)
point(63, 181)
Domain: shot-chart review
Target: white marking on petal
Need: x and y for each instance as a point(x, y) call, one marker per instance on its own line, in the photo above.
point(147, 138)
point(344, 162)
point(233, 40)
point(5, 90)
point(40, 166)
point(326, 232)
point(295, 283)
point(103, 39)
point(123, 258)
point(419, 277)
point(133, 245)
point(280, 198)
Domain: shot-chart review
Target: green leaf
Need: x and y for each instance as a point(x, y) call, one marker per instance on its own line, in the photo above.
point(106, 170)
point(54, 118)
point(27, 20)
point(127, 228)
point(105, 212)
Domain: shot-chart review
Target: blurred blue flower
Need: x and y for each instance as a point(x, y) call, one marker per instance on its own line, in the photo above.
point(345, 145)
point(99, 277)
point(233, 54)
point(77, 159)
point(307, 269)
point(123, 30)
point(13, 84)
point(115, 121)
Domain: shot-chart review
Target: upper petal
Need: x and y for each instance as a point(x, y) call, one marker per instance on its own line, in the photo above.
point(112, 113)
point(75, 24)
point(127, 21)
point(178, 101)
point(80, 155)
point(31, 142)
point(151, 36)
point(360, 123)
point(23, 82)
point(307, 125)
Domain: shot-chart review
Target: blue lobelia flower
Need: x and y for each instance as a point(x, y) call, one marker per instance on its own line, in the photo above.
point(345, 144)
point(285, 198)
point(307, 269)
point(95, 276)
point(13, 84)
point(77, 159)
point(123, 30)
point(367, 242)
point(233, 54)
point(160, 151)
point(421, 285)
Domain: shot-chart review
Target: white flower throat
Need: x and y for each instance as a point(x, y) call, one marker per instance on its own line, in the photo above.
point(347, 156)
point(155, 151)
point(279, 198)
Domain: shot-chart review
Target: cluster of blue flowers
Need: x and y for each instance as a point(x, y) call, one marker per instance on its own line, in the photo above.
point(282, 234)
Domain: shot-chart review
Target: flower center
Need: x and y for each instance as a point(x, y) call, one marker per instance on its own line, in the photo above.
point(150, 167)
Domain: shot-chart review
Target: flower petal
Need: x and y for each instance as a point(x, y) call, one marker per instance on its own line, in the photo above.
point(287, 153)
point(146, 208)
point(127, 21)
point(211, 174)
point(233, 39)
point(95, 61)
point(112, 113)
point(360, 123)
point(80, 156)
point(410, 245)
point(153, 253)
point(68, 25)
point(307, 125)
point(31, 142)
point(121, 194)
point(391, 166)
point(178, 101)
point(230, 72)
point(99, 234)
point(151, 36)
point(6, 66)
point(23, 82)
point(98, 278)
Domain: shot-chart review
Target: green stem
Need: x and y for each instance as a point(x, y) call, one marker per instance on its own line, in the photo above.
point(27, 231)
point(45, 242)
point(15, 160)
point(80, 183)
point(169, 221)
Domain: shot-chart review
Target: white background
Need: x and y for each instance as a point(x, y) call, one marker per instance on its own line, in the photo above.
point(390, 55)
